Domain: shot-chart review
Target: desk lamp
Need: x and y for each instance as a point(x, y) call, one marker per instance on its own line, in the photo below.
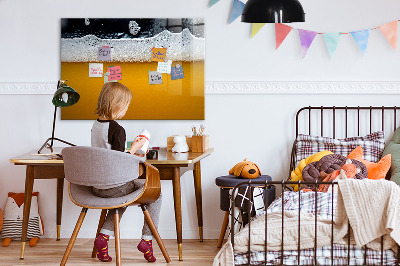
point(64, 96)
point(273, 11)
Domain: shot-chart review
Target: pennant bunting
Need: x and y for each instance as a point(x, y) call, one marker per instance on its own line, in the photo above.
point(256, 28)
point(361, 37)
point(389, 30)
point(213, 2)
point(281, 31)
point(237, 9)
point(332, 41)
point(306, 39)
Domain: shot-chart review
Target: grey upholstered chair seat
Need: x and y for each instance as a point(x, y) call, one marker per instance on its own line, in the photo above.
point(83, 196)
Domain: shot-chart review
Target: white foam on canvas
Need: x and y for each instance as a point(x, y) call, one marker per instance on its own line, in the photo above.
point(182, 46)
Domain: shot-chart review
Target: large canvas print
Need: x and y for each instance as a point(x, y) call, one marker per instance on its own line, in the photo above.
point(160, 60)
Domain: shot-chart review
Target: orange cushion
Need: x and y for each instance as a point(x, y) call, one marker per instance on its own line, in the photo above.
point(375, 170)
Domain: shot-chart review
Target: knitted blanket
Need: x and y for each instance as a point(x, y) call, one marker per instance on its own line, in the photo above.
point(371, 207)
point(274, 235)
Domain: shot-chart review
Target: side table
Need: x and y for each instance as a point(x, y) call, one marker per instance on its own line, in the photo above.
point(226, 183)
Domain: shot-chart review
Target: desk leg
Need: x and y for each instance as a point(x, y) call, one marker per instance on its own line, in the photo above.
point(176, 182)
point(60, 190)
point(199, 204)
point(27, 206)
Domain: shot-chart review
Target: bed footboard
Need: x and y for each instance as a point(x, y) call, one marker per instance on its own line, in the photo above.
point(310, 254)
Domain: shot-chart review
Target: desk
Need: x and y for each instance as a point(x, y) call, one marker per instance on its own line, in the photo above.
point(170, 165)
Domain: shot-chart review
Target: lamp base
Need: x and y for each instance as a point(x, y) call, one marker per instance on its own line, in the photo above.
point(50, 146)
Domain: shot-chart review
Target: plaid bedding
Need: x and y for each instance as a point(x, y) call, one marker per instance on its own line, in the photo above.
point(323, 207)
point(372, 145)
point(324, 257)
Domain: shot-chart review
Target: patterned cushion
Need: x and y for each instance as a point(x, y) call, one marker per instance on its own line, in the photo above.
point(372, 144)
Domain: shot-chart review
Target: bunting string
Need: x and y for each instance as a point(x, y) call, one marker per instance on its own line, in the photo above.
point(361, 37)
point(343, 33)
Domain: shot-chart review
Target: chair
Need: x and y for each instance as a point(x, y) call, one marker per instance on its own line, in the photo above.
point(85, 167)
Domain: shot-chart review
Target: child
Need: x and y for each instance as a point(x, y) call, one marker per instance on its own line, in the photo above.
point(113, 102)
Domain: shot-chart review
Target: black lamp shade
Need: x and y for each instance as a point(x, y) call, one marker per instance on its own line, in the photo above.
point(273, 11)
point(65, 96)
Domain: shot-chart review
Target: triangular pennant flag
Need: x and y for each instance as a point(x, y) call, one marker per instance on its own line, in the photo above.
point(390, 32)
point(237, 9)
point(256, 28)
point(361, 37)
point(306, 39)
point(332, 41)
point(213, 2)
point(281, 31)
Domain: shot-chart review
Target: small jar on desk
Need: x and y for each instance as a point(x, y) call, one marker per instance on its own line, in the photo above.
point(226, 183)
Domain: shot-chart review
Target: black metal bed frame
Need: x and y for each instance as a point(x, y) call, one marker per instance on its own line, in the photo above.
point(283, 184)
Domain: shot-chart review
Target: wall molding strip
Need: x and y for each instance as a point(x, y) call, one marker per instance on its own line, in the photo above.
point(247, 87)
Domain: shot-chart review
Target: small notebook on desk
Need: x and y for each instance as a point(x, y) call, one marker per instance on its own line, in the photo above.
point(52, 155)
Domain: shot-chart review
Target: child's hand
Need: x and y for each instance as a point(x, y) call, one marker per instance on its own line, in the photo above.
point(137, 144)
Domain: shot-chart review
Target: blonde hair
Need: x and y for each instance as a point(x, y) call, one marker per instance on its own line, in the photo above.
point(113, 98)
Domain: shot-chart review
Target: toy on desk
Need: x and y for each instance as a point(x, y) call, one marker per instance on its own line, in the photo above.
point(144, 134)
point(245, 169)
point(180, 144)
point(13, 215)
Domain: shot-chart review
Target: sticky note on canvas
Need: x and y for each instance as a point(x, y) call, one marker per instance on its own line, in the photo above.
point(115, 73)
point(177, 72)
point(106, 78)
point(155, 77)
point(104, 53)
point(164, 67)
point(95, 70)
point(158, 54)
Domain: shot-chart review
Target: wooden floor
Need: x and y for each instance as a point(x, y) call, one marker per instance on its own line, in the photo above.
point(50, 252)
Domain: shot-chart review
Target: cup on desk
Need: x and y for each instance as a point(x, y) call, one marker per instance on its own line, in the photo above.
point(152, 155)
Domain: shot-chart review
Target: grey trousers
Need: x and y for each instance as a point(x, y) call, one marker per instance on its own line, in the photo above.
point(153, 208)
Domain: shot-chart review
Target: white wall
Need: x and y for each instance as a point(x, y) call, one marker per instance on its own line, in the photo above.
point(258, 127)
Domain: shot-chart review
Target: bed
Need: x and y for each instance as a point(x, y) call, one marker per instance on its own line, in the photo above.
point(298, 227)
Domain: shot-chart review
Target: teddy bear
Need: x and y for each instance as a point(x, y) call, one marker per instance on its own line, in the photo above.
point(245, 169)
point(180, 144)
point(13, 215)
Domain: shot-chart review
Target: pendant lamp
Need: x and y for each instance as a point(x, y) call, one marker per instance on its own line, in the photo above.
point(273, 11)
point(63, 97)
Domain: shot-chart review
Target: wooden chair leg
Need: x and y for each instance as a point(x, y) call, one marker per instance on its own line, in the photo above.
point(73, 237)
point(223, 229)
point(101, 222)
point(117, 238)
point(154, 230)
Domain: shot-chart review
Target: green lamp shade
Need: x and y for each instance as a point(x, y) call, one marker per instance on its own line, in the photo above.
point(65, 96)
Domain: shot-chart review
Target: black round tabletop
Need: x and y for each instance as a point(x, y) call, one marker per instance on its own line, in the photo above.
point(230, 181)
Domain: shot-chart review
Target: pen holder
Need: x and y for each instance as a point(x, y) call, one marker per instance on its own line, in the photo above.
point(200, 143)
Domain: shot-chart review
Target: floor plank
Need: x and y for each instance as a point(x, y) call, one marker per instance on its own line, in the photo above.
point(50, 252)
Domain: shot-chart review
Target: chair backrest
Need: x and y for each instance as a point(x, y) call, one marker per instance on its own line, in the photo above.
point(92, 166)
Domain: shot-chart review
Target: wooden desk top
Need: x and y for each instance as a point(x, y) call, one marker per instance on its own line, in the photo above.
point(168, 157)
point(164, 157)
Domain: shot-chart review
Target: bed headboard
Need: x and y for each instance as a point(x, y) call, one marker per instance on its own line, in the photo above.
point(344, 121)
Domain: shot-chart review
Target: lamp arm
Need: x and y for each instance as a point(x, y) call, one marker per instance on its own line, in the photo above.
point(46, 143)
point(54, 126)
